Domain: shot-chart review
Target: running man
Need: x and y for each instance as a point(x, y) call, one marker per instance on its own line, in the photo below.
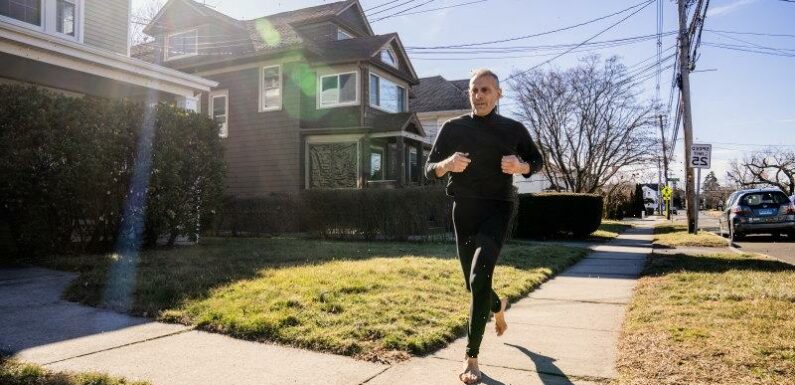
point(481, 152)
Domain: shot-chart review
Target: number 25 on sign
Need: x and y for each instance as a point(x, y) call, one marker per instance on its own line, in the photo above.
point(700, 155)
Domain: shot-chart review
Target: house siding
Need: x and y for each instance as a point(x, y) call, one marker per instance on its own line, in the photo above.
point(107, 24)
point(263, 148)
point(353, 19)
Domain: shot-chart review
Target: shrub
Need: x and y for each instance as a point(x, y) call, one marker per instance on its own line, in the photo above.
point(72, 168)
point(395, 214)
point(274, 214)
point(549, 214)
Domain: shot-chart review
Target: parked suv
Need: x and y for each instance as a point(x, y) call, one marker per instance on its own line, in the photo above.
point(766, 210)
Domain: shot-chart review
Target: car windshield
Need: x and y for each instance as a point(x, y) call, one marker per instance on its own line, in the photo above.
point(761, 198)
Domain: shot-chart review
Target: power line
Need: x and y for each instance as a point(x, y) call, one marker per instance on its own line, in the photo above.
point(749, 33)
point(392, 7)
point(584, 41)
point(403, 11)
point(432, 9)
point(644, 3)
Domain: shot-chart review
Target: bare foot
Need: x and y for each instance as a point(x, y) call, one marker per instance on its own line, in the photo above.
point(471, 373)
point(499, 318)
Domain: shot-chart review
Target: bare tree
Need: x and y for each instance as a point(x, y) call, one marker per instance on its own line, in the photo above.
point(587, 120)
point(770, 167)
point(141, 16)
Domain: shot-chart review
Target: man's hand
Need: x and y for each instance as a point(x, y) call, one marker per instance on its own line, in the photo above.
point(457, 162)
point(512, 165)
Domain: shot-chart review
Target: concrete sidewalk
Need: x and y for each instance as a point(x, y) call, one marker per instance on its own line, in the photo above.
point(563, 333)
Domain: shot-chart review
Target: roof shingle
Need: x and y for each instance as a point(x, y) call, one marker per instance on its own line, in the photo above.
point(439, 94)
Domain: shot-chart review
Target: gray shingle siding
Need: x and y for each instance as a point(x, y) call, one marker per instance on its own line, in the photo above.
point(107, 24)
point(354, 20)
point(263, 148)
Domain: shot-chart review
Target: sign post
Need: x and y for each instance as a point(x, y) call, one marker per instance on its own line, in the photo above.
point(700, 157)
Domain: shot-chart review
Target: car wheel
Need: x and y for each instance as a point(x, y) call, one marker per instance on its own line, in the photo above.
point(734, 235)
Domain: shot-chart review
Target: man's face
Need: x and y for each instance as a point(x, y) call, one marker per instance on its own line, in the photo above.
point(483, 94)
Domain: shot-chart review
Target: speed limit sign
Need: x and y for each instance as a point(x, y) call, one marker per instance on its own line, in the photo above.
point(700, 155)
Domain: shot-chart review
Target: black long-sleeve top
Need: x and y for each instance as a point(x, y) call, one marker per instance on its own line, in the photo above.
point(487, 139)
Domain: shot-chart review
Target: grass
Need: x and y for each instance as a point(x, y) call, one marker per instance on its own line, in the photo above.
point(676, 235)
point(377, 301)
point(610, 229)
point(710, 319)
point(13, 372)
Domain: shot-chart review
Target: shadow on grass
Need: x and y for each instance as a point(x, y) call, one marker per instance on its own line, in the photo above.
point(666, 264)
point(167, 278)
point(669, 228)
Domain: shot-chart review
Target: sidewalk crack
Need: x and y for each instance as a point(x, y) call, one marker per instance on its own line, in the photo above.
point(376, 375)
point(120, 346)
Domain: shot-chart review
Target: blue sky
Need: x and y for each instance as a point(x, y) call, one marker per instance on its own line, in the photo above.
point(746, 103)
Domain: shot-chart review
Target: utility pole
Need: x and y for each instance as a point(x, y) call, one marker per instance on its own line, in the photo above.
point(665, 165)
point(684, 74)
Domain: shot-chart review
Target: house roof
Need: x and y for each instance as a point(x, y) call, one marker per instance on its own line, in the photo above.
point(400, 120)
point(362, 48)
point(439, 94)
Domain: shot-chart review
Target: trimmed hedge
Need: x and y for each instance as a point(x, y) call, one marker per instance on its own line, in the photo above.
point(390, 214)
point(414, 213)
point(549, 214)
point(80, 174)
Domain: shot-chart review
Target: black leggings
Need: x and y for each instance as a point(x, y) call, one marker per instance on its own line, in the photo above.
point(481, 227)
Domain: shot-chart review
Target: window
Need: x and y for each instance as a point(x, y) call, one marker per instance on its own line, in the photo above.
point(376, 163)
point(182, 44)
point(342, 35)
point(65, 17)
point(219, 111)
point(56, 17)
point(338, 90)
point(271, 88)
point(414, 174)
point(26, 11)
point(388, 57)
point(387, 95)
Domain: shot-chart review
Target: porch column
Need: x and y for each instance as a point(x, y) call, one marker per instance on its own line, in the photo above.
point(401, 160)
point(420, 164)
point(364, 161)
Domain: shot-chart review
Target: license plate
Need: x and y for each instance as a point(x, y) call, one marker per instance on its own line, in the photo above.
point(766, 212)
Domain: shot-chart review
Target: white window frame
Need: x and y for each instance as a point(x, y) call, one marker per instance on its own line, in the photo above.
point(48, 20)
point(383, 163)
point(391, 52)
point(338, 104)
point(166, 57)
point(261, 88)
point(224, 131)
point(341, 31)
point(378, 106)
point(412, 172)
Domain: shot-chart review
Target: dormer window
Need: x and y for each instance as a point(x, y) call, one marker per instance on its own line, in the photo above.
point(388, 57)
point(182, 44)
point(343, 35)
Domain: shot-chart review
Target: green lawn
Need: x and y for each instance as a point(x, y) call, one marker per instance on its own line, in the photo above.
point(676, 235)
point(610, 229)
point(13, 372)
point(376, 301)
point(710, 319)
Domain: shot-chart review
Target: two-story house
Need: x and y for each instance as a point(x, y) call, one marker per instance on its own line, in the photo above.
point(80, 47)
point(310, 98)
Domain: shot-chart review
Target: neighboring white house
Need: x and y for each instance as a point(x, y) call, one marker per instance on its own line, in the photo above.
point(650, 192)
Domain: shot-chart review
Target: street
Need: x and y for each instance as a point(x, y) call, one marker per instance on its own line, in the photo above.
point(781, 248)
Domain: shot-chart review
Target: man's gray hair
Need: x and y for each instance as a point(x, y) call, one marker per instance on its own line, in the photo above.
point(480, 72)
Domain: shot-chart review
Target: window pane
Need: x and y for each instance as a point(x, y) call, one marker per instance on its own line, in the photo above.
point(182, 44)
point(347, 88)
point(65, 17)
point(377, 164)
point(374, 89)
point(28, 11)
point(329, 92)
point(401, 99)
point(388, 57)
point(271, 87)
point(342, 35)
point(389, 96)
point(413, 170)
point(219, 105)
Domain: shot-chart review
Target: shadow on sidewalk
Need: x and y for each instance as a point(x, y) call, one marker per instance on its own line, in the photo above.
point(545, 365)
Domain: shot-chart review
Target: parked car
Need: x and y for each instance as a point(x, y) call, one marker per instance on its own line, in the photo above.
point(766, 210)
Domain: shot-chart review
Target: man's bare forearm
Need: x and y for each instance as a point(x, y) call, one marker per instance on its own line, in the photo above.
point(440, 169)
